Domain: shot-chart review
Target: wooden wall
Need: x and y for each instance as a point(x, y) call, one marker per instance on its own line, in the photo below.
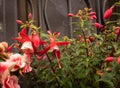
point(49, 14)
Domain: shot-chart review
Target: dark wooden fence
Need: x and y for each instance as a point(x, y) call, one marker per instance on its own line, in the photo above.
point(49, 14)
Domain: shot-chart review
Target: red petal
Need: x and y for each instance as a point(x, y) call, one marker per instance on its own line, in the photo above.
point(62, 43)
point(35, 39)
point(57, 53)
point(9, 48)
point(44, 51)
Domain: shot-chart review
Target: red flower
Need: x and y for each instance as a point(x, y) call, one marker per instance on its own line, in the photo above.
point(33, 41)
point(98, 25)
point(109, 59)
point(54, 46)
point(108, 13)
point(91, 38)
point(70, 15)
point(118, 60)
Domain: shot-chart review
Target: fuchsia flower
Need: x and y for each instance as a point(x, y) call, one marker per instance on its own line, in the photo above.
point(30, 43)
point(108, 13)
point(109, 59)
point(54, 45)
point(27, 47)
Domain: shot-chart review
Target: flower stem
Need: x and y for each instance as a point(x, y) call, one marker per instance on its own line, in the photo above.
point(53, 70)
point(85, 43)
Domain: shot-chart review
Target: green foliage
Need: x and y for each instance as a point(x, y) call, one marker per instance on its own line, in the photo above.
point(83, 63)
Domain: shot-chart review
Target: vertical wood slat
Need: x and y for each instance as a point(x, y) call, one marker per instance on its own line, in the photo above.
point(8, 15)
point(2, 36)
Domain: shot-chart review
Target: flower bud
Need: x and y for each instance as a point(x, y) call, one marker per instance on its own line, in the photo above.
point(116, 30)
point(91, 38)
point(118, 60)
point(19, 22)
point(108, 13)
point(109, 59)
point(98, 25)
point(70, 15)
point(29, 15)
point(2, 48)
point(5, 44)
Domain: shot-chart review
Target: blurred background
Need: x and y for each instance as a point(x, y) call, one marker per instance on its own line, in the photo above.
point(48, 14)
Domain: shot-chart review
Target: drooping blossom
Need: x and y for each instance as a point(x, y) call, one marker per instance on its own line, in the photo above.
point(32, 39)
point(27, 47)
point(108, 13)
point(109, 59)
point(54, 45)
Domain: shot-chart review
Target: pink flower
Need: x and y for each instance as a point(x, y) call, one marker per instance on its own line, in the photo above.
point(118, 60)
point(98, 25)
point(5, 68)
point(109, 59)
point(70, 15)
point(108, 13)
point(10, 82)
point(18, 59)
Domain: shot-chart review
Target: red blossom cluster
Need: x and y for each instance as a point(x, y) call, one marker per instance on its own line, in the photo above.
point(29, 45)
